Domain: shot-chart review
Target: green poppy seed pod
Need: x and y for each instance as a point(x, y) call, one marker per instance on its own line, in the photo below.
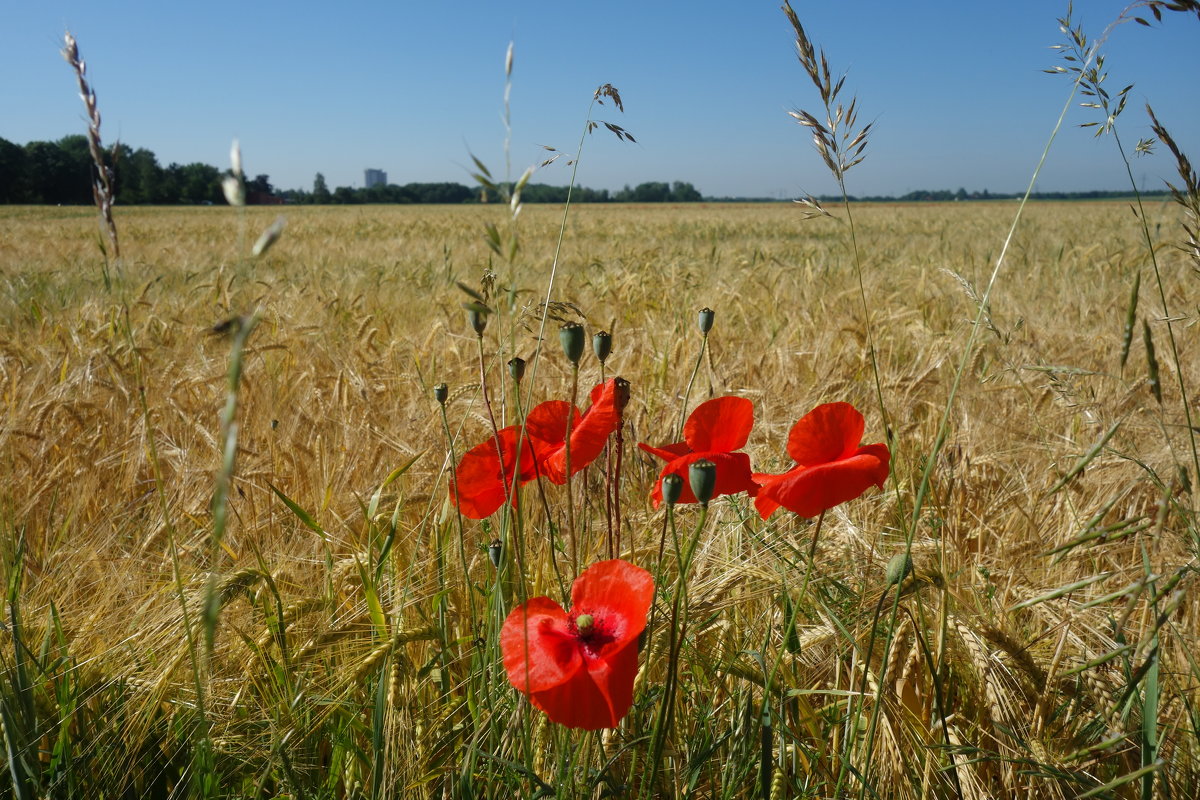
point(707, 315)
point(477, 316)
point(441, 393)
point(602, 345)
point(702, 477)
point(584, 623)
point(516, 368)
point(898, 568)
point(571, 337)
point(495, 551)
point(672, 488)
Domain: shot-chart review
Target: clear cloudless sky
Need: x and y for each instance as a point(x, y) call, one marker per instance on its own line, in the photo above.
point(955, 88)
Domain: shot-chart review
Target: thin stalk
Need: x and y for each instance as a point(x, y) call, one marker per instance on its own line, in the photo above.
point(812, 553)
point(688, 391)
point(665, 719)
point(619, 447)
point(487, 404)
point(462, 536)
point(567, 454)
point(925, 483)
point(562, 232)
point(1162, 296)
point(164, 509)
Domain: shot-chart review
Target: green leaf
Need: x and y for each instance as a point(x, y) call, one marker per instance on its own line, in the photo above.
point(300, 513)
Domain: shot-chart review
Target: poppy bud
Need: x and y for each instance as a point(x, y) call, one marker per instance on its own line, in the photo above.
point(440, 393)
point(702, 477)
point(602, 345)
point(477, 315)
point(495, 550)
point(706, 320)
point(672, 488)
point(898, 568)
point(571, 337)
point(516, 368)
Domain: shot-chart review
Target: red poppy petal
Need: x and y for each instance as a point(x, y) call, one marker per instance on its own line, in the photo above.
point(733, 475)
point(618, 594)
point(808, 491)
point(720, 425)
point(765, 501)
point(479, 481)
point(597, 423)
point(539, 650)
point(827, 433)
point(546, 424)
point(668, 452)
point(596, 697)
point(589, 433)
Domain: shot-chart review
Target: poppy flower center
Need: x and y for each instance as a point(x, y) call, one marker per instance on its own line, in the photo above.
point(592, 633)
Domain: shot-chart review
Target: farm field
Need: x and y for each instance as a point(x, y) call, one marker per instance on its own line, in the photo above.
point(1043, 643)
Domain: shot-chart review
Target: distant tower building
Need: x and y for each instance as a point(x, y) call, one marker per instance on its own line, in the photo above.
point(374, 177)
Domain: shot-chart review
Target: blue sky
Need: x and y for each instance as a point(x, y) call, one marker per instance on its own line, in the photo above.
point(955, 88)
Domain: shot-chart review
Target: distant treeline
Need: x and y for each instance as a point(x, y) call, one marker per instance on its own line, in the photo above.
point(61, 173)
point(946, 196)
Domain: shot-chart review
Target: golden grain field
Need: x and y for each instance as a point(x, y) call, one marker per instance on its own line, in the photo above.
point(360, 660)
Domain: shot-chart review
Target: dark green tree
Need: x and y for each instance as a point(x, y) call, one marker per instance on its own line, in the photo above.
point(14, 186)
point(320, 192)
point(261, 185)
point(682, 192)
point(197, 183)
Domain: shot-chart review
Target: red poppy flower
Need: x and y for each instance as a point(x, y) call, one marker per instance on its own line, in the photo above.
point(483, 478)
point(831, 466)
point(713, 431)
point(484, 473)
point(547, 427)
point(579, 666)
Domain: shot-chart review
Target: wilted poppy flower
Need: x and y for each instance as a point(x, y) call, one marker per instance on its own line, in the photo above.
point(579, 666)
point(486, 474)
point(713, 431)
point(831, 466)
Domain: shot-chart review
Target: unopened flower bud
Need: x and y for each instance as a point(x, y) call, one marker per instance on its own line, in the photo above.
point(898, 568)
point(707, 315)
point(602, 345)
point(495, 551)
point(516, 368)
point(672, 488)
point(702, 477)
point(477, 315)
point(441, 393)
point(571, 337)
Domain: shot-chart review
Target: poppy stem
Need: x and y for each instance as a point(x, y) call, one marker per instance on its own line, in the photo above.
point(688, 391)
point(608, 496)
point(462, 545)
point(619, 446)
point(487, 403)
point(812, 553)
point(666, 715)
point(567, 458)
